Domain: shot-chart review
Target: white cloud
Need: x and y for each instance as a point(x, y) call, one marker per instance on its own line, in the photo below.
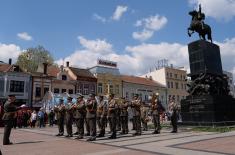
point(9, 51)
point(120, 10)
point(142, 36)
point(137, 60)
point(153, 22)
point(95, 46)
point(150, 25)
point(24, 36)
point(218, 9)
point(99, 18)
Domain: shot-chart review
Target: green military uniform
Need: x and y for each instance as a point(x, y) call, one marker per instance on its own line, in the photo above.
point(118, 117)
point(102, 113)
point(69, 117)
point(173, 110)
point(112, 108)
point(91, 107)
point(136, 104)
point(8, 118)
point(124, 115)
point(156, 115)
point(79, 116)
point(144, 116)
point(60, 115)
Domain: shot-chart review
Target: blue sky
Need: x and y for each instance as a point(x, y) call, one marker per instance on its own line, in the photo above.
point(74, 29)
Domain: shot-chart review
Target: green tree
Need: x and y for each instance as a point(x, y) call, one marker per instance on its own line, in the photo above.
point(33, 57)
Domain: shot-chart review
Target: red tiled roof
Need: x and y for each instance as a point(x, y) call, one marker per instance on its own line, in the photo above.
point(140, 80)
point(53, 71)
point(4, 67)
point(79, 72)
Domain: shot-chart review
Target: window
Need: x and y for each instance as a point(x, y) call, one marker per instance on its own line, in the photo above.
point(176, 85)
point(185, 86)
point(178, 98)
point(111, 89)
point(86, 89)
point(56, 90)
point(168, 84)
point(176, 76)
point(167, 74)
point(140, 96)
point(170, 74)
point(100, 88)
point(80, 89)
point(46, 90)
point(70, 91)
point(92, 89)
point(146, 98)
point(63, 90)
point(38, 92)
point(182, 86)
point(181, 77)
point(171, 84)
point(17, 86)
point(64, 77)
point(127, 95)
point(117, 89)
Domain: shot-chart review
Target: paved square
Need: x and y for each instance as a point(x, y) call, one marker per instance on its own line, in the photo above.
point(43, 141)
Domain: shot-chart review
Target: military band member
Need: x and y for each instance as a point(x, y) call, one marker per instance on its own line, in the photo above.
point(91, 107)
point(79, 116)
point(112, 108)
point(69, 117)
point(156, 108)
point(124, 115)
point(173, 110)
point(144, 115)
point(102, 111)
point(136, 104)
point(10, 110)
point(118, 118)
point(60, 114)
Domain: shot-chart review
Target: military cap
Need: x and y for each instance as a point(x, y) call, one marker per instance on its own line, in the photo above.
point(69, 98)
point(157, 94)
point(11, 95)
point(136, 95)
point(111, 95)
point(91, 95)
point(80, 96)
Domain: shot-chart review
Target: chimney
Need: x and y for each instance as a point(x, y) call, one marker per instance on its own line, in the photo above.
point(10, 61)
point(67, 64)
point(45, 68)
point(171, 65)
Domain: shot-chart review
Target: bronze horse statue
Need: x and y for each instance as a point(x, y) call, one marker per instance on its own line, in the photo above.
point(197, 25)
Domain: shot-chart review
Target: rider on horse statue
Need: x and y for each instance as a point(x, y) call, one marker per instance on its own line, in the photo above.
point(198, 25)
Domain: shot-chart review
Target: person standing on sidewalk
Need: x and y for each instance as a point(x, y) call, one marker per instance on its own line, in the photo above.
point(173, 110)
point(91, 106)
point(69, 117)
point(10, 110)
point(136, 104)
point(60, 114)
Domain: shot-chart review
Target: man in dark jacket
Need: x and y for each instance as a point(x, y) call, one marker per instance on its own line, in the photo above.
point(8, 118)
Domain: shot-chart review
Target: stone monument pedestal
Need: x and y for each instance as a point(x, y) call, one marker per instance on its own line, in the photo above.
point(209, 102)
point(208, 110)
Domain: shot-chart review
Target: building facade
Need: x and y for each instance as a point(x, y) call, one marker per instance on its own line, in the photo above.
point(85, 81)
point(144, 87)
point(173, 79)
point(14, 81)
point(61, 82)
point(108, 78)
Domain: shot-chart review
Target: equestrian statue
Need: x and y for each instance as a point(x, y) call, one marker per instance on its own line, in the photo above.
point(198, 25)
